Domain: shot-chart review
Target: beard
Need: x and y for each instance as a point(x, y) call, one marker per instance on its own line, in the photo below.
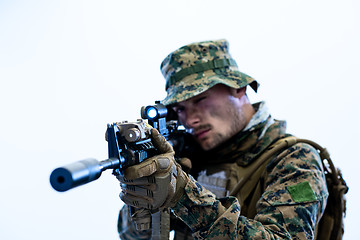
point(237, 123)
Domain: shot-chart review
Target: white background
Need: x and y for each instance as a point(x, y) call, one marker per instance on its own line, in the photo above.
point(67, 68)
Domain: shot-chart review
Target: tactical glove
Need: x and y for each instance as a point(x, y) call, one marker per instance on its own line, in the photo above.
point(158, 182)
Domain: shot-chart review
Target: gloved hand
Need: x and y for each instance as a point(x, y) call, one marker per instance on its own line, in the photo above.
point(157, 182)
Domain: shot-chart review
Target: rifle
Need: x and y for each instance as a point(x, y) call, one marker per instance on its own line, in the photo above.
point(129, 143)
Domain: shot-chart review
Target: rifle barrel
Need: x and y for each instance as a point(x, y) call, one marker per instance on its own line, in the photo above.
point(80, 173)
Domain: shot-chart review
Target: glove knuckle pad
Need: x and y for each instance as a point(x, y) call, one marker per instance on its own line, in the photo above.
point(163, 163)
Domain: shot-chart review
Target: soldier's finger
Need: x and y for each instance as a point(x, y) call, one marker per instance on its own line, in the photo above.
point(135, 201)
point(148, 167)
point(143, 181)
point(160, 142)
point(142, 169)
point(139, 191)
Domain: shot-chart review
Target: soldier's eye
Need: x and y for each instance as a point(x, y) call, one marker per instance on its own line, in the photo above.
point(178, 109)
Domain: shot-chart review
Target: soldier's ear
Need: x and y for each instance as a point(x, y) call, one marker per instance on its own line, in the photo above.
point(238, 92)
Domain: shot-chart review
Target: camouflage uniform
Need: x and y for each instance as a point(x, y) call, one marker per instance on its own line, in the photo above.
point(294, 191)
point(291, 195)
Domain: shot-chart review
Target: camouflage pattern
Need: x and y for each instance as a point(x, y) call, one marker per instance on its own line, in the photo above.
point(194, 68)
point(293, 196)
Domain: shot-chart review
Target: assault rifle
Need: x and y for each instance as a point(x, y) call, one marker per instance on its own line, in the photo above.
point(129, 143)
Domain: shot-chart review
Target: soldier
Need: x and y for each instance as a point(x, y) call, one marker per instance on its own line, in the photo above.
point(208, 93)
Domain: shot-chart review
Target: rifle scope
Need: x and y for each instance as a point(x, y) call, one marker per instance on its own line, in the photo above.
point(154, 112)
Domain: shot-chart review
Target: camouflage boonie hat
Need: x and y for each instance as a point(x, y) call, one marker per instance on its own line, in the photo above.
point(194, 68)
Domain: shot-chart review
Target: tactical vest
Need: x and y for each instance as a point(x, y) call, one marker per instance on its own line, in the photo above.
point(241, 182)
point(247, 185)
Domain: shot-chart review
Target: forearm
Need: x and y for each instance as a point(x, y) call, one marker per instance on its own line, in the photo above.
point(211, 218)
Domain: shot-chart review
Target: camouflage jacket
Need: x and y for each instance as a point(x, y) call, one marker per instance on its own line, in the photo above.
point(293, 198)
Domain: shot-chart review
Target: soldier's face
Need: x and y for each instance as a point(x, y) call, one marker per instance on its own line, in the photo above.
point(214, 116)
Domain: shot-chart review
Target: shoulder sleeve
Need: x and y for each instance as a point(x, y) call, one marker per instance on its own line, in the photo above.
point(293, 201)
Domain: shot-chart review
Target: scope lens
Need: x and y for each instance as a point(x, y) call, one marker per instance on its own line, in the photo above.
point(151, 112)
